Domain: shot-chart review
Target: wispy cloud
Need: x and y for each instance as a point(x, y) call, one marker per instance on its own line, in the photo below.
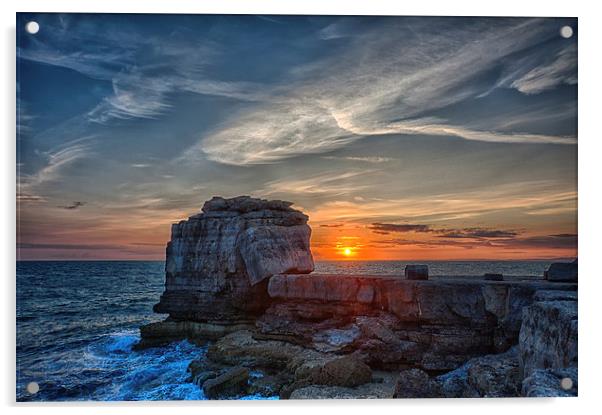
point(140, 68)
point(57, 159)
point(463, 233)
point(385, 83)
point(565, 241)
point(547, 76)
point(366, 159)
point(525, 197)
point(325, 183)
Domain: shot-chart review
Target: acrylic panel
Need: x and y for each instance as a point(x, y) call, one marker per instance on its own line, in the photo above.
point(295, 207)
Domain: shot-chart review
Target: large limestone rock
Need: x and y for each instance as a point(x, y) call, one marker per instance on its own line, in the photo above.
point(218, 261)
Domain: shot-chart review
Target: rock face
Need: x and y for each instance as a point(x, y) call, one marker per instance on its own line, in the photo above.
point(218, 261)
point(548, 336)
point(434, 325)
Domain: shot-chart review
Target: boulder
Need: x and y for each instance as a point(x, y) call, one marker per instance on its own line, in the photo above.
point(218, 261)
point(562, 272)
point(368, 391)
point(382, 386)
point(486, 376)
point(231, 383)
point(416, 272)
point(413, 383)
point(346, 371)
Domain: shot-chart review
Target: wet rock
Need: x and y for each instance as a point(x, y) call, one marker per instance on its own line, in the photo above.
point(381, 387)
point(413, 383)
point(331, 340)
point(551, 383)
point(231, 383)
point(562, 272)
point(345, 371)
point(495, 375)
point(295, 366)
point(161, 332)
point(416, 272)
point(265, 385)
point(486, 376)
point(240, 348)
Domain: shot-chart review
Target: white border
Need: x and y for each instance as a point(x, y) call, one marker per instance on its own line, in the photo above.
point(589, 196)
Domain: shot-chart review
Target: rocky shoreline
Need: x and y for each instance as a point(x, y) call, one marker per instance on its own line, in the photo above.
point(239, 278)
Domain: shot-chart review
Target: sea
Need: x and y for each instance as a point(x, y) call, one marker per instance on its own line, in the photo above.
point(77, 323)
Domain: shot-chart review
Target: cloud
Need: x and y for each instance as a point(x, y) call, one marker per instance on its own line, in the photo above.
point(477, 233)
point(57, 159)
point(140, 68)
point(73, 206)
point(470, 233)
point(25, 197)
point(563, 241)
point(60, 246)
point(392, 227)
point(367, 159)
point(386, 82)
point(558, 241)
point(329, 183)
point(426, 243)
point(525, 197)
point(562, 70)
point(274, 132)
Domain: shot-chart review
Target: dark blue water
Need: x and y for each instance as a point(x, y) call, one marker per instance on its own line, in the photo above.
point(77, 323)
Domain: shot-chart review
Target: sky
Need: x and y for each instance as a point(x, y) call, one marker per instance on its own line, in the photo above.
point(402, 138)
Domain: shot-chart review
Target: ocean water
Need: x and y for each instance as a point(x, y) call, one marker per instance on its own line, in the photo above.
point(77, 323)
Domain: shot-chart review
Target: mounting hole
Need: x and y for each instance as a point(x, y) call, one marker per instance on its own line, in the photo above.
point(33, 388)
point(566, 384)
point(566, 31)
point(32, 27)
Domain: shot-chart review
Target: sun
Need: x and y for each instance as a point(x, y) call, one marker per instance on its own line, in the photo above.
point(347, 251)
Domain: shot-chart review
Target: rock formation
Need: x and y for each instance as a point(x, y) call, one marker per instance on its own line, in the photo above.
point(218, 262)
point(239, 275)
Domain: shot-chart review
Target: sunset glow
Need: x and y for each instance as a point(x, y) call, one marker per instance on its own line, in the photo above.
point(377, 129)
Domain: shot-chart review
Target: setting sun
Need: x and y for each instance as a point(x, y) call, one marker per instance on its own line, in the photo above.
point(347, 251)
